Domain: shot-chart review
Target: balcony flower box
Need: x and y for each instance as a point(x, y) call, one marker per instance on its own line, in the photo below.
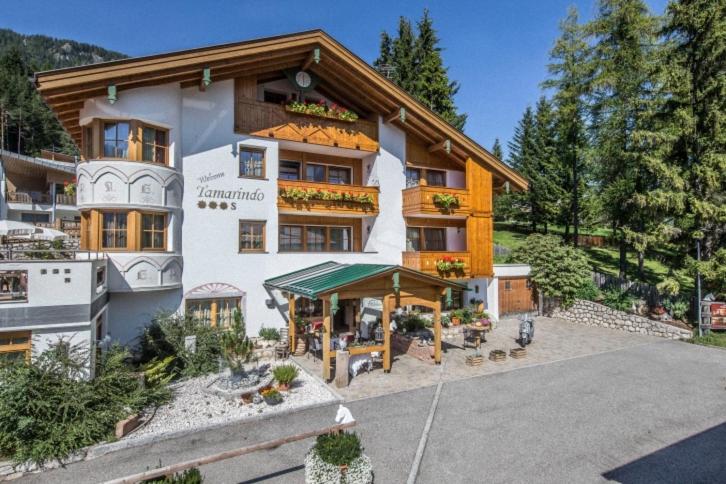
point(319, 194)
point(322, 110)
point(449, 264)
point(446, 201)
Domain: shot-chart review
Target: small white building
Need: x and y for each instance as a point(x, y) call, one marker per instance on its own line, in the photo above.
point(206, 172)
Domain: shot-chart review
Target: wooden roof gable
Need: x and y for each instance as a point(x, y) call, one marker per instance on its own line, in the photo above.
point(65, 90)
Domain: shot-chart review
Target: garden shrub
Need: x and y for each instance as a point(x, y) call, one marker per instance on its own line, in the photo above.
point(558, 270)
point(588, 291)
point(414, 322)
point(48, 411)
point(678, 307)
point(618, 299)
point(165, 337)
point(190, 476)
point(285, 374)
point(338, 449)
point(271, 334)
point(236, 346)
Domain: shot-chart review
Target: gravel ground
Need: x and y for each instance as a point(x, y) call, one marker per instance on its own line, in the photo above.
point(193, 408)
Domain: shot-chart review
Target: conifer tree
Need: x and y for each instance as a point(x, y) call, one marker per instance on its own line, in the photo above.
point(413, 61)
point(497, 149)
point(522, 159)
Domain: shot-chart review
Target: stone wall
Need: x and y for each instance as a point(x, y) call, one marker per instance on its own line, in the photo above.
point(594, 314)
point(401, 344)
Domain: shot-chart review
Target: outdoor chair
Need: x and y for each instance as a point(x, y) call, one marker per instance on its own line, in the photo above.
point(282, 349)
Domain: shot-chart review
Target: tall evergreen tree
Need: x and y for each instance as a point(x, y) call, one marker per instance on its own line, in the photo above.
point(497, 149)
point(695, 81)
point(570, 77)
point(545, 172)
point(623, 61)
point(522, 158)
point(413, 61)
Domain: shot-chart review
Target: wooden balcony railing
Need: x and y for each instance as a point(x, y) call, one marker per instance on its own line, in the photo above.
point(315, 197)
point(274, 121)
point(29, 197)
point(426, 261)
point(63, 199)
point(420, 200)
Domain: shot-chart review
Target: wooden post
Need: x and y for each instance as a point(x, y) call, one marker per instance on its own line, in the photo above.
point(291, 322)
point(386, 322)
point(437, 331)
point(341, 368)
point(326, 340)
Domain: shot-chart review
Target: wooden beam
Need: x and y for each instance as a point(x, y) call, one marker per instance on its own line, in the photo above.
point(444, 145)
point(437, 331)
point(386, 322)
point(291, 323)
point(327, 327)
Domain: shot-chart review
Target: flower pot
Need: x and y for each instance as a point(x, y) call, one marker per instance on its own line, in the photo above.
point(247, 398)
point(456, 321)
point(283, 387)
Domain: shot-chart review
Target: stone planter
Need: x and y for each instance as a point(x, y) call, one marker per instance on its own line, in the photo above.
point(360, 471)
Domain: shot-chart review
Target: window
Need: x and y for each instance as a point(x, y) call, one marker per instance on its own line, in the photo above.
point(251, 236)
point(425, 238)
point(339, 175)
point(291, 238)
point(413, 177)
point(315, 239)
point(340, 239)
point(113, 230)
point(152, 231)
point(436, 178)
point(315, 173)
point(34, 218)
point(116, 140)
point(100, 278)
point(275, 97)
point(15, 346)
point(289, 170)
point(153, 145)
point(251, 163)
point(218, 312)
point(13, 286)
point(507, 285)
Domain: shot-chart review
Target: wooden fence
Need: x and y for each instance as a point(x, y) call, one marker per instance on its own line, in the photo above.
point(647, 292)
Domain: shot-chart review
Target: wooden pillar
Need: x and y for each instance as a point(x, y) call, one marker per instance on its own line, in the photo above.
point(291, 323)
point(326, 340)
point(437, 331)
point(386, 322)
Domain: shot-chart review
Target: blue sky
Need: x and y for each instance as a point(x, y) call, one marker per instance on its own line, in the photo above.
point(496, 49)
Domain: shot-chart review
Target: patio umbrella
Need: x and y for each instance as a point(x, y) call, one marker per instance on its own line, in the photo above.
point(45, 233)
point(13, 228)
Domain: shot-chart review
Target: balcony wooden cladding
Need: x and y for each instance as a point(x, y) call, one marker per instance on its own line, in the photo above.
point(274, 121)
point(287, 205)
point(420, 201)
point(425, 261)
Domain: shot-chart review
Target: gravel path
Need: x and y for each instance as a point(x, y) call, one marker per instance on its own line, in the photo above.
point(193, 408)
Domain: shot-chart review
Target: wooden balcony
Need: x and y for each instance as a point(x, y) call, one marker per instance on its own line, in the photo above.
point(274, 121)
point(38, 198)
point(296, 196)
point(425, 261)
point(63, 199)
point(420, 201)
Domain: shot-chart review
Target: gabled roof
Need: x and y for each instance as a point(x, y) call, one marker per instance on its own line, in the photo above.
point(329, 276)
point(346, 76)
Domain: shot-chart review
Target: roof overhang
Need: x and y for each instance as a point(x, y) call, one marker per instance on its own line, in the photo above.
point(30, 165)
point(65, 90)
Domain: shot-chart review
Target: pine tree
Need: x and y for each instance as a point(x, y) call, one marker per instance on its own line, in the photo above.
point(522, 159)
point(413, 61)
point(570, 77)
point(549, 191)
point(695, 112)
point(623, 98)
point(497, 149)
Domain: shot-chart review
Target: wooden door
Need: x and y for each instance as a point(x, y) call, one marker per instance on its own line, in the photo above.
point(515, 295)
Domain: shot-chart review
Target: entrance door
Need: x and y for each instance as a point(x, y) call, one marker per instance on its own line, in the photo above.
point(515, 295)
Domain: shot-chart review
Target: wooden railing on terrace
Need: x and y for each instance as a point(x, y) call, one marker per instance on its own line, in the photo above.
point(275, 121)
point(420, 201)
point(40, 198)
point(321, 198)
point(425, 261)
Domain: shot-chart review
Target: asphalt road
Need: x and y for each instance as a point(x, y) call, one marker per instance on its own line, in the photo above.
point(649, 413)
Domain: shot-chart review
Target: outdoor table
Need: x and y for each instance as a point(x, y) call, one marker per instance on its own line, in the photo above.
point(479, 333)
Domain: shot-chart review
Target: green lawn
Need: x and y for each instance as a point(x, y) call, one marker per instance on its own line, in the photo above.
point(711, 339)
point(602, 259)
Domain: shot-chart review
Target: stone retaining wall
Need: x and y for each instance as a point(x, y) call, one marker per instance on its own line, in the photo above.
point(594, 314)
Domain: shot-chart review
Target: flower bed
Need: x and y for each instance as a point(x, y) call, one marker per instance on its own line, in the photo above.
point(317, 471)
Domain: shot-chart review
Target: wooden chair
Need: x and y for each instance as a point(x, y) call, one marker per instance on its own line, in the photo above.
point(282, 349)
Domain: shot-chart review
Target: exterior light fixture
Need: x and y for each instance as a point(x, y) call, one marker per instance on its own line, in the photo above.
point(378, 333)
point(206, 77)
point(112, 97)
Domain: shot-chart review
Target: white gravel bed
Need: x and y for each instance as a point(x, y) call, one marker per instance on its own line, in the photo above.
point(193, 408)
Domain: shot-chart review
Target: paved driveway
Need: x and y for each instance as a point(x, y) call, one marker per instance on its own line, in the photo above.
point(655, 412)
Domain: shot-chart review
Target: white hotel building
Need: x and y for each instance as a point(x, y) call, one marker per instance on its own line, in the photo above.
point(200, 182)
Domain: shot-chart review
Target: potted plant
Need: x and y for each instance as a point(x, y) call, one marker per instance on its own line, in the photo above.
point(444, 264)
point(271, 396)
point(478, 304)
point(285, 374)
point(445, 321)
point(338, 458)
point(456, 317)
point(446, 201)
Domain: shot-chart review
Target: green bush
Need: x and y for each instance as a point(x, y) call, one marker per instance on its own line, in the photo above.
point(191, 476)
point(165, 337)
point(588, 291)
point(338, 449)
point(236, 346)
point(285, 374)
point(558, 270)
point(47, 411)
point(617, 299)
point(271, 334)
point(677, 307)
point(414, 322)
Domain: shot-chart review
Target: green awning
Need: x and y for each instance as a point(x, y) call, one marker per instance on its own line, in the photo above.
point(328, 276)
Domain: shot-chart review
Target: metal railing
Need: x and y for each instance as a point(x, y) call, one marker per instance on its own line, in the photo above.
point(23, 254)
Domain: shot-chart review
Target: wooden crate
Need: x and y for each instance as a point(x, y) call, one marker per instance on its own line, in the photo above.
point(497, 355)
point(474, 360)
point(518, 353)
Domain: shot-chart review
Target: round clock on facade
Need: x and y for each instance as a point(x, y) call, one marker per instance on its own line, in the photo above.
point(303, 79)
